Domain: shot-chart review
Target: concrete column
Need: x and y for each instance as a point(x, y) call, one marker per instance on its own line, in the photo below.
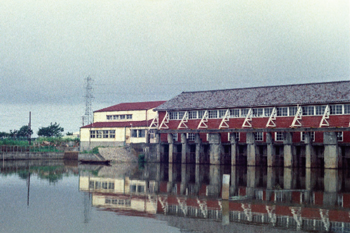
point(330, 150)
point(288, 183)
point(171, 147)
point(184, 179)
point(184, 149)
point(252, 157)
point(215, 180)
point(251, 181)
point(310, 155)
point(271, 156)
point(158, 148)
point(287, 149)
point(215, 148)
point(271, 181)
point(234, 178)
point(234, 149)
point(199, 148)
point(331, 187)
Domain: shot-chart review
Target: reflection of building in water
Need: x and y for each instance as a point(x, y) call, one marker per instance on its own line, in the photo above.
point(289, 125)
point(295, 199)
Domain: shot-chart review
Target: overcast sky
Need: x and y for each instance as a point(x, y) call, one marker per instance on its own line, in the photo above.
point(139, 50)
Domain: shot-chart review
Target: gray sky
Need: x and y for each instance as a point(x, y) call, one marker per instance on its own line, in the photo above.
point(138, 50)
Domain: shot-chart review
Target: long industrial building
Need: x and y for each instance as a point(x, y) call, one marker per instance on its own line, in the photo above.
point(288, 125)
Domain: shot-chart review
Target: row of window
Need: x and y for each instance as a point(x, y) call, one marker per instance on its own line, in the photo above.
point(101, 185)
point(120, 202)
point(119, 117)
point(102, 134)
point(337, 109)
point(259, 136)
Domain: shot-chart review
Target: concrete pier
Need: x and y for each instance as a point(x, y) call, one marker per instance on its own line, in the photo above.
point(330, 150)
point(252, 157)
point(184, 148)
point(171, 147)
point(215, 148)
point(199, 148)
point(331, 187)
point(310, 156)
point(270, 150)
point(234, 149)
point(288, 149)
point(158, 147)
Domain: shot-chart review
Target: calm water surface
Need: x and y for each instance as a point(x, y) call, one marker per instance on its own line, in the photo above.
point(53, 196)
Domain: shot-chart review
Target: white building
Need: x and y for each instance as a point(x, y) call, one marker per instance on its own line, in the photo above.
point(119, 124)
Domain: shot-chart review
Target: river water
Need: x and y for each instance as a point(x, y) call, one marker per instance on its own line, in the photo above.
point(56, 196)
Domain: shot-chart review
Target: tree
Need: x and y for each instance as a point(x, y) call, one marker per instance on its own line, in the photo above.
point(53, 130)
point(24, 131)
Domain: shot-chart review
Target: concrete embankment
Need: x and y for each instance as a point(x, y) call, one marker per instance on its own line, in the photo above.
point(30, 155)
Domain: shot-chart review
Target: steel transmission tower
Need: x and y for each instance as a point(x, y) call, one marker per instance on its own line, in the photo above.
point(88, 99)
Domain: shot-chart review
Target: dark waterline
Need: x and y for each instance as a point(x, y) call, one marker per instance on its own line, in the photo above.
point(51, 196)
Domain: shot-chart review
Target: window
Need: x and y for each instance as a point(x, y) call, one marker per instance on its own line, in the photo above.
point(141, 133)
point(312, 136)
point(181, 115)
point(104, 185)
point(339, 136)
point(293, 111)
point(279, 136)
point(346, 108)
point(236, 135)
point(320, 109)
point(122, 117)
point(258, 136)
point(138, 133)
point(234, 112)
point(282, 111)
point(110, 185)
point(129, 116)
point(258, 112)
point(109, 117)
point(268, 111)
point(99, 133)
point(192, 115)
point(134, 133)
point(175, 136)
point(244, 112)
point(116, 117)
point(92, 134)
point(105, 133)
point(173, 115)
point(213, 114)
point(308, 110)
point(336, 109)
point(191, 136)
point(222, 113)
point(112, 133)
point(201, 114)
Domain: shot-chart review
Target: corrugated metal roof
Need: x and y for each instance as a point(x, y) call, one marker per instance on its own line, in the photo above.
point(118, 124)
point(132, 106)
point(303, 94)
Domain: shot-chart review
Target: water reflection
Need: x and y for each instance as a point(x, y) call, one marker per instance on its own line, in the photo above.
point(298, 199)
point(190, 196)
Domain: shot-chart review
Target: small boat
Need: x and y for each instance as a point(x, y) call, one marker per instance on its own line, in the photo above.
point(101, 162)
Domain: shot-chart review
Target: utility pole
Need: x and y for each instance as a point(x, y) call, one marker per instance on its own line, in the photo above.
point(29, 129)
point(88, 99)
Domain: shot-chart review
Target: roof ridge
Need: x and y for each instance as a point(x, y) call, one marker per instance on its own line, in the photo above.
point(257, 87)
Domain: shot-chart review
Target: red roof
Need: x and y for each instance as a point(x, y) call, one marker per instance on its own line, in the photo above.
point(132, 106)
point(118, 124)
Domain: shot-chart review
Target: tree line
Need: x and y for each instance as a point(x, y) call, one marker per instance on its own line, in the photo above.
point(53, 130)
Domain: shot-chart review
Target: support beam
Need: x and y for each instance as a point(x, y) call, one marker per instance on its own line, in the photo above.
point(155, 122)
point(288, 149)
point(330, 150)
point(252, 158)
point(215, 148)
point(183, 121)
point(310, 155)
point(248, 119)
point(298, 115)
point(165, 121)
point(158, 147)
point(225, 119)
point(271, 156)
point(202, 124)
point(271, 121)
point(325, 117)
